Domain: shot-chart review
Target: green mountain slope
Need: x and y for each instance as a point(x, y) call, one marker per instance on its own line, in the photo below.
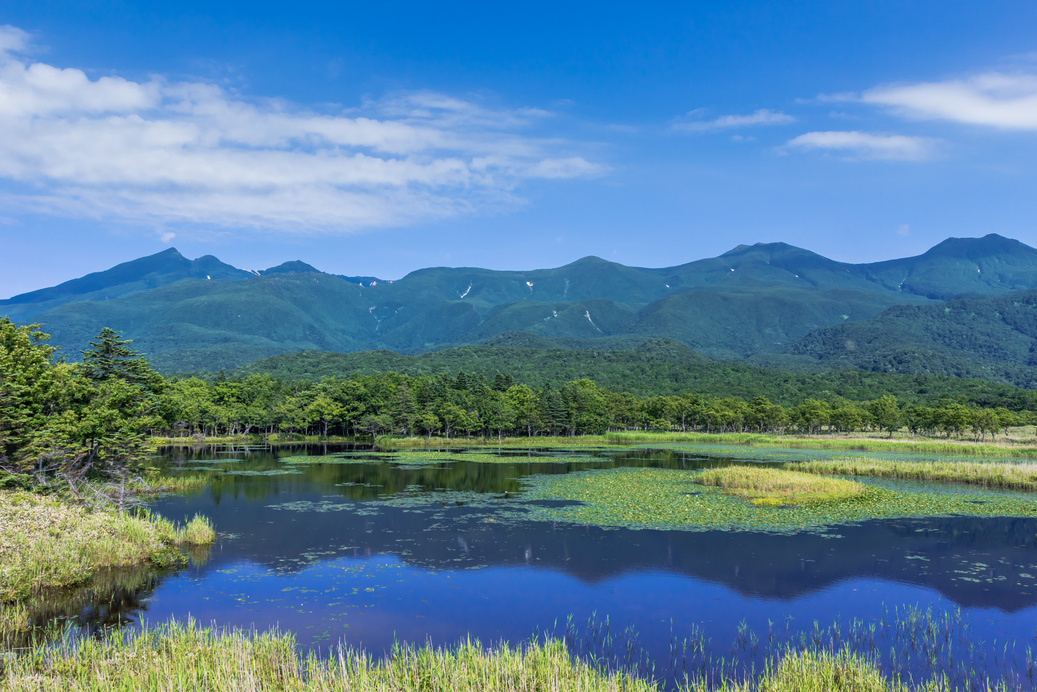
point(992, 338)
point(747, 303)
point(960, 268)
point(753, 318)
point(129, 277)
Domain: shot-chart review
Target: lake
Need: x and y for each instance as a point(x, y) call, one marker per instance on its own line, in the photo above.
point(373, 551)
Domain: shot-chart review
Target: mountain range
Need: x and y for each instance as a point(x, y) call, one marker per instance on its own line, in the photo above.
point(967, 307)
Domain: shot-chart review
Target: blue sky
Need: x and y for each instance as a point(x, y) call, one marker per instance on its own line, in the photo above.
point(379, 138)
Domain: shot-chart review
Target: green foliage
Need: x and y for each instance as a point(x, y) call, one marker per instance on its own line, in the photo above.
point(74, 421)
point(991, 338)
point(656, 367)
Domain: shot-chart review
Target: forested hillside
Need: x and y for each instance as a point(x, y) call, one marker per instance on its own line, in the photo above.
point(768, 303)
point(659, 367)
point(991, 338)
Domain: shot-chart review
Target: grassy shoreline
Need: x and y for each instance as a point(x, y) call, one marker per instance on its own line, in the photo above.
point(1004, 476)
point(1025, 447)
point(52, 544)
point(178, 656)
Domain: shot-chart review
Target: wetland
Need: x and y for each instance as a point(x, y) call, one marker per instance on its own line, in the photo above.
point(620, 552)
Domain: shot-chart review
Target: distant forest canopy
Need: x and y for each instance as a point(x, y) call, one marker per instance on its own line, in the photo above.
point(965, 308)
point(94, 414)
point(657, 367)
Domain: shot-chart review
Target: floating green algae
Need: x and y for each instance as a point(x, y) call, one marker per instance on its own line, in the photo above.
point(646, 498)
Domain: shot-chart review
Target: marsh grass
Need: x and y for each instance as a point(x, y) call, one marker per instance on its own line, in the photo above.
point(820, 671)
point(49, 543)
point(825, 442)
point(181, 484)
point(198, 531)
point(433, 457)
point(766, 487)
point(390, 443)
point(1005, 475)
point(183, 657)
point(902, 648)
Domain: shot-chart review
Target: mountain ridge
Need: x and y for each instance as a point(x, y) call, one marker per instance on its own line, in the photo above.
point(752, 301)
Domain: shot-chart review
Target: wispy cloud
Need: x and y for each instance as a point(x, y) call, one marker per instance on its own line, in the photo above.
point(865, 145)
point(693, 123)
point(165, 152)
point(995, 99)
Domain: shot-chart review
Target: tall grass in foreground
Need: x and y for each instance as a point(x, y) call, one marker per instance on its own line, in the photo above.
point(767, 487)
point(822, 671)
point(182, 657)
point(1009, 476)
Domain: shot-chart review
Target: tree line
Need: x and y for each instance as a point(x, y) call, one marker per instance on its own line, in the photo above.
point(465, 405)
point(95, 416)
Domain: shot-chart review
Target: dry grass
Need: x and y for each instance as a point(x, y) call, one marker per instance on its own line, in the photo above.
point(1006, 475)
point(766, 487)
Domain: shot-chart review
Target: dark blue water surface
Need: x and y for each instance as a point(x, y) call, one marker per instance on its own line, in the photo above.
point(318, 553)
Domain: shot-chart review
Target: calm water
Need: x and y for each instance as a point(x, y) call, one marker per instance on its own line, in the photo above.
point(320, 553)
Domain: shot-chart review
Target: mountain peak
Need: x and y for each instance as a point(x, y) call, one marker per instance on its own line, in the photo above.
point(990, 244)
point(292, 267)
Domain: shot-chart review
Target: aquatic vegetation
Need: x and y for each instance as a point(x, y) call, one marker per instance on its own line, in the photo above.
point(643, 498)
point(198, 531)
point(575, 442)
point(268, 472)
point(417, 458)
point(767, 487)
point(869, 444)
point(181, 656)
point(819, 671)
point(1009, 475)
point(180, 484)
point(51, 543)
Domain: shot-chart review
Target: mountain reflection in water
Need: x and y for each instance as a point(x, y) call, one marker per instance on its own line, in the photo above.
point(315, 552)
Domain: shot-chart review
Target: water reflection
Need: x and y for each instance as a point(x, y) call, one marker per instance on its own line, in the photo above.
point(319, 552)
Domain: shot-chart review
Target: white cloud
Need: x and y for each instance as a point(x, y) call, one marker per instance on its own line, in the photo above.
point(12, 39)
point(763, 116)
point(158, 151)
point(864, 145)
point(167, 237)
point(995, 99)
point(904, 230)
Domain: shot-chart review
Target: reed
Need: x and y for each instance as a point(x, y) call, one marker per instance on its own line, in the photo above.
point(1008, 475)
point(765, 487)
point(183, 657)
point(199, 531)
point(181, 484)
point(820, 671)
point(858, 443)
